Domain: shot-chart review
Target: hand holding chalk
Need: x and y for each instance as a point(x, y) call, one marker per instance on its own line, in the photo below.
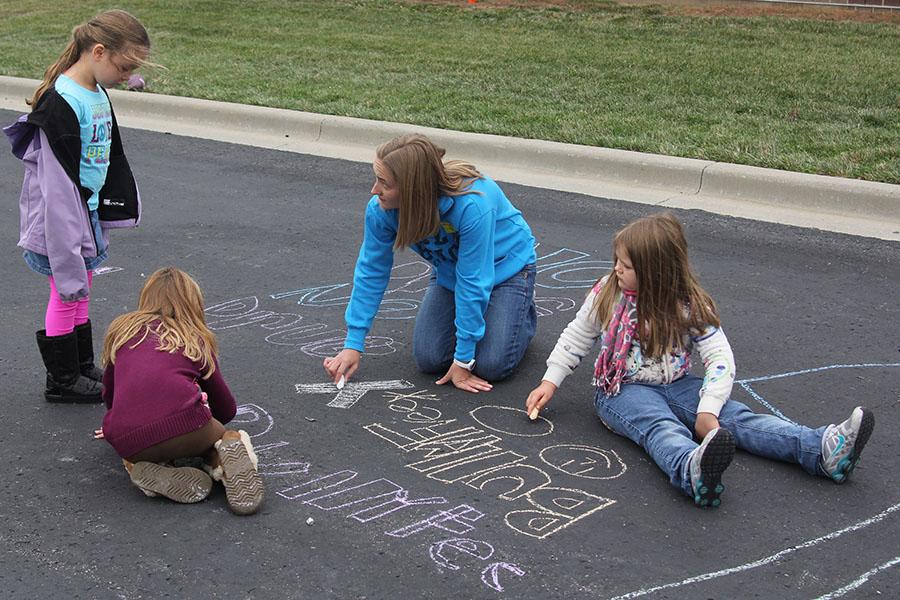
point(340, 368)
point(538, 399)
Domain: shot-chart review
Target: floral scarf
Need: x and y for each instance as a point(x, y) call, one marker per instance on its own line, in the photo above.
point(611, 365)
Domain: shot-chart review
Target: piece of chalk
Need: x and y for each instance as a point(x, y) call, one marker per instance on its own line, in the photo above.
point(340, 383)
point(533, 415)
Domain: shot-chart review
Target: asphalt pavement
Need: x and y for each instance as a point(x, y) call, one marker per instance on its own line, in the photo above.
point(398, 488)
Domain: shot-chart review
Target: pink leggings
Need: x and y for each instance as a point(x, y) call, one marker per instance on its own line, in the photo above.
point(62, 317)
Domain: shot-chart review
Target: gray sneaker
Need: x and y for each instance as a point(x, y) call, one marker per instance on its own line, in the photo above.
point(842, 444)
point(708, 462)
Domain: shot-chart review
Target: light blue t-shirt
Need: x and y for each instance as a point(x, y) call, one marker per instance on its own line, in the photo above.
point(95, 120)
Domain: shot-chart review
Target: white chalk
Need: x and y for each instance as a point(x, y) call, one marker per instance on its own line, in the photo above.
point(340, 383)
point(534, 414)
point(310, 521)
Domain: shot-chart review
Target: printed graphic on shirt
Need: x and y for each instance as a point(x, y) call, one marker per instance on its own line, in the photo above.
point(441, 247)
point(98, 146)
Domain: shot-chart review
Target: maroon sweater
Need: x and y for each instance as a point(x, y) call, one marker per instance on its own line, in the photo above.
point(152, 396)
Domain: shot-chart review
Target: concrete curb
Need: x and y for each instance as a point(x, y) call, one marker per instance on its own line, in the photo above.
point(831, 203)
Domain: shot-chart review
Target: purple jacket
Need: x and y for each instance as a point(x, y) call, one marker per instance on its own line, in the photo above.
point(53, 216)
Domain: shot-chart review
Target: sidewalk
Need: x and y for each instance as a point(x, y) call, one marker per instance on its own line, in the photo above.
point(831, 203)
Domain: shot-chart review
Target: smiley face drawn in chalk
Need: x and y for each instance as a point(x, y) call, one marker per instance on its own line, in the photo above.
point(588, 462)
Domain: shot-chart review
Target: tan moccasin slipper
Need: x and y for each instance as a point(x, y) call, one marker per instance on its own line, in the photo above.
point(181, 484)
point(243, 485)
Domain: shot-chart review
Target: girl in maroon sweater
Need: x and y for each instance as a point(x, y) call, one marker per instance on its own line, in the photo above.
point(166, 398)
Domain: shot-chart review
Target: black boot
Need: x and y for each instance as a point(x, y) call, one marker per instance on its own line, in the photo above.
point(86, 352)
point(65, 383)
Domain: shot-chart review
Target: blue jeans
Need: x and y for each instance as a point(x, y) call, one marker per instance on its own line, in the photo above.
point(40, 263)
point(509, 324)
point(661, 418)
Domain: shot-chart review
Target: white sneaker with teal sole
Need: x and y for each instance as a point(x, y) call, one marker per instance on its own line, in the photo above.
point(708, 462)
point(842, 444)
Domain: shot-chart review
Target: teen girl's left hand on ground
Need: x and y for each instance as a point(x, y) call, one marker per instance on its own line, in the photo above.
point(465, 380)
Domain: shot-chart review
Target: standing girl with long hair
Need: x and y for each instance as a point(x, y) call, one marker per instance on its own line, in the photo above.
point(77, 185)
point(650, 313)
point(166, 398)
point(478, 314)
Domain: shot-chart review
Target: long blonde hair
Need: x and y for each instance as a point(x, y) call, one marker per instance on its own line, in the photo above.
point(670, 300)
point(117, 30)
point(171, 308)
point(422, 176)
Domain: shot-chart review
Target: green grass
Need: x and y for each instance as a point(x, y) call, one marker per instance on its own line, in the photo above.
point(803, 95)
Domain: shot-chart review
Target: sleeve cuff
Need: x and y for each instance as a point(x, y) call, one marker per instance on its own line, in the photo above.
point(465, 350)
point(356, 339)
point(555, 374)
point(710, 405)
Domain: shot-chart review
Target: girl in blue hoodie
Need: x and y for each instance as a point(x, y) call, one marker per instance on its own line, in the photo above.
point(478, 314)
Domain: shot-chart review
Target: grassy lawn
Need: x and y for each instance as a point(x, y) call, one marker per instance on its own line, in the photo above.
point(805, 95)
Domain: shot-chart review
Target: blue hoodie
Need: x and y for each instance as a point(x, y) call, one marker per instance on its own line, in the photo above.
point(482, 240)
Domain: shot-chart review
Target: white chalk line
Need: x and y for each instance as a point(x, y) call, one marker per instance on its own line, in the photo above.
point(744, 383)
point(763, 561)
point(815, 370)
point(860, 580)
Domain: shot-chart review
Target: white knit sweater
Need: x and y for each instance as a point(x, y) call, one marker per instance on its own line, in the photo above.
point(580, 335)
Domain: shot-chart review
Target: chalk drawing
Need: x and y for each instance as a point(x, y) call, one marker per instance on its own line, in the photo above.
point(439, 551)
point(570, 269)
point(455, 453)
point(554, 510)
point(257, 422)
point(251, 414)
point(458, 520)
point(350, 394)
point(491, 574)
point(379, 498)
point(412, 406)
point(745, 383)
point(561, 269)
point(407, 280)
point(313, 339)
point(858, 582)
point(547, 305)
point(371, 500)
point(766, 560)
point(107, 270)
point(511, 421)
point(584, 461)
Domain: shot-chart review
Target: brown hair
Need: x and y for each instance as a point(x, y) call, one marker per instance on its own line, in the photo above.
point(170, 307)
point(670, 301)
point(422, 176)
point(118, 31)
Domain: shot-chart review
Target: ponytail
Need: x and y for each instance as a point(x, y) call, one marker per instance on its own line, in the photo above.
point(118, 31)
point(68, 58)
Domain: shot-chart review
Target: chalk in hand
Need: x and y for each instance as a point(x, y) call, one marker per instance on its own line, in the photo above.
point(340, 383)
point(533, 415)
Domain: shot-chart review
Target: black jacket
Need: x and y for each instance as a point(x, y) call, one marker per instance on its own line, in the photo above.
point(119, 195)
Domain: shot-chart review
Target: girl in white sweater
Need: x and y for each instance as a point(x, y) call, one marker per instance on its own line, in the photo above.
point(650, 313)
